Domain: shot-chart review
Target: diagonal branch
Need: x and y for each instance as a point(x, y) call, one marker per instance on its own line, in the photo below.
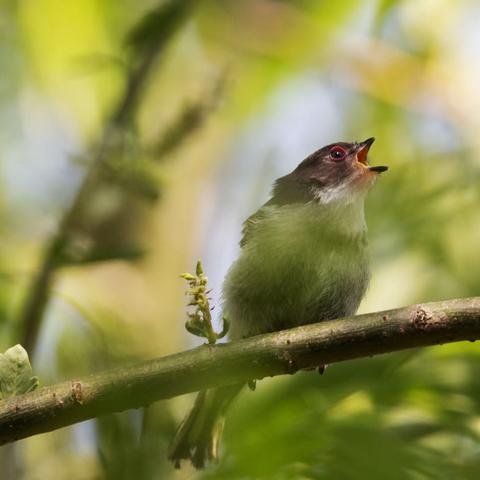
point(37, 298)
point(213, 365)
point(149, 38)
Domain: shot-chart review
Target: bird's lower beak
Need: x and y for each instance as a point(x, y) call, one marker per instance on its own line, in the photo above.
point(378, 168)
point(362, 153)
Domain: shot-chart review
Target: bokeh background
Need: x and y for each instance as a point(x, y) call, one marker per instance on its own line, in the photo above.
point(138, 135)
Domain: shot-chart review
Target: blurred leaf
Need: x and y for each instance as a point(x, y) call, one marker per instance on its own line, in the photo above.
point(96, 62)
point(16, 373)
point(188, 121)
point(159, 25)
point(133, 444)
point(135, 175)
point(327, 427)
point(126, 253)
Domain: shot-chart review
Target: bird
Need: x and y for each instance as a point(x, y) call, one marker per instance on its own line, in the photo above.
point(303, 259)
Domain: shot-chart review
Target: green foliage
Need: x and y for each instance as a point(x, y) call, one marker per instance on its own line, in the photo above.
point(191, 117)
point(364, 419)
point(129, 444)
point(83, 255)
point(133, 173)
point(16, 373)
point(157, 27)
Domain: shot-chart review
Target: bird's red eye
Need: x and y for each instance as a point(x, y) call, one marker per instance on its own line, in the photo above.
point(338, 153)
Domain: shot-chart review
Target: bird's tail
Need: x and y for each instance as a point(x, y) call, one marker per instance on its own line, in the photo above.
point(198, 436)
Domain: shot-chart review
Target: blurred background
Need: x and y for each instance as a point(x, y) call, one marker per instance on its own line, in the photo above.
point(136, 136)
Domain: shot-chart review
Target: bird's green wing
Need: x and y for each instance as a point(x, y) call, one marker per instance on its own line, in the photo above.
point(251, 224)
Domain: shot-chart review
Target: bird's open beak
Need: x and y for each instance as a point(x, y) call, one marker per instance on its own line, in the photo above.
point(362, 153)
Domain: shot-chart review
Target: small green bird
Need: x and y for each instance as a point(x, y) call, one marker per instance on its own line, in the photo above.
point(304, 259)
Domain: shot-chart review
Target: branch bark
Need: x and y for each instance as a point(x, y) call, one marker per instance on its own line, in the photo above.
point(207, 366)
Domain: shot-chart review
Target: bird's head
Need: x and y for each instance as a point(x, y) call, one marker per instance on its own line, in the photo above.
point(336, 172)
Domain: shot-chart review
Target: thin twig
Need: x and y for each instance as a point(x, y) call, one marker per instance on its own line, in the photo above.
point(277, 353)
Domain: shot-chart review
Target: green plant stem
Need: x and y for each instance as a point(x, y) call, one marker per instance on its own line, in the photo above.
point(272, 354)
point(211, 335)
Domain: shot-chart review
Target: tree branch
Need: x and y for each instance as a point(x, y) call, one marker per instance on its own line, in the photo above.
point(272, 354)
point(162, 23)
point(38, 295)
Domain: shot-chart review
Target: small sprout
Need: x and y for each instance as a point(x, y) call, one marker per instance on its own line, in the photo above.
point(187, 276)
point(200, 321)
point(252, 385)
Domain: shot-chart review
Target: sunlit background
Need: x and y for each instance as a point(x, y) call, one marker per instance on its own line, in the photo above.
point(234, 94)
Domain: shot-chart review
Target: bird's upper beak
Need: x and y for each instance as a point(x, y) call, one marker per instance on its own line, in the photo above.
point(362, 152)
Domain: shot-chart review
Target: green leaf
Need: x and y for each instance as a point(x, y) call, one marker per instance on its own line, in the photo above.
point(225, 328)
point(160, 24)
point(187, 276)
point(16, 373)
point(195, 329)
point(124, 253)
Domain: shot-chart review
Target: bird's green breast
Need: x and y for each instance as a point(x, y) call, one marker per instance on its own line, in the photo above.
point(301, 264)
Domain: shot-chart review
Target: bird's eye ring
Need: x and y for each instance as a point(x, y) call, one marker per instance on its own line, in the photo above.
point(338, 153)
